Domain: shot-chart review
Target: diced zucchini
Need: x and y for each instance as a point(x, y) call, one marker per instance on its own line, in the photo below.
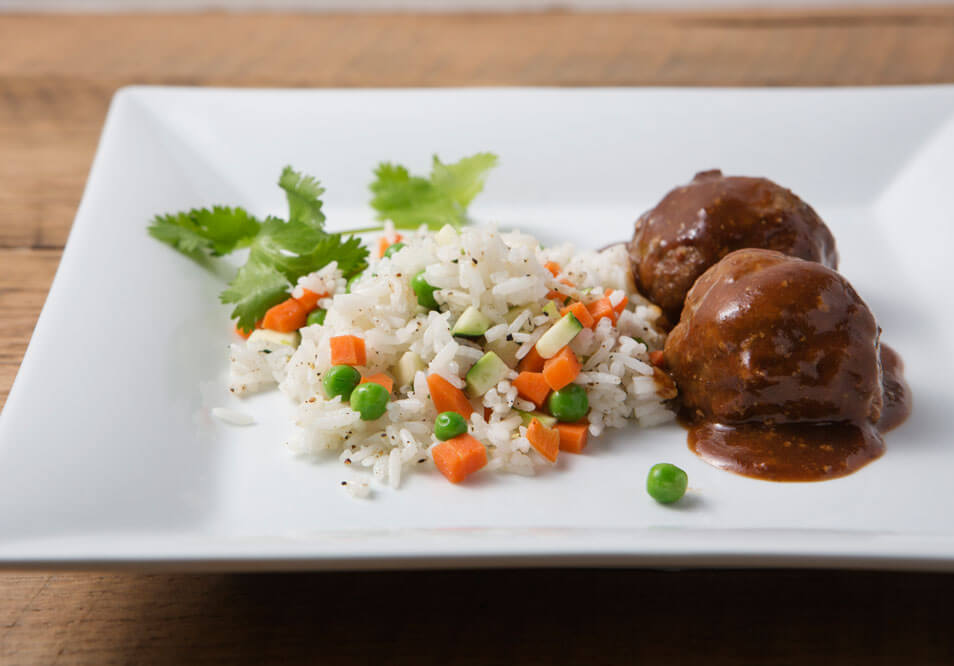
point(545, 419)
point(486, 374)
point(272, 340)
point(550, 310)
point(559, 336)
point(407, 366)
point(472, 322)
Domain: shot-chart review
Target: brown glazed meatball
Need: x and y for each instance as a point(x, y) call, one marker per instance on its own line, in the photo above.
point(695, 225)
point(771, 338)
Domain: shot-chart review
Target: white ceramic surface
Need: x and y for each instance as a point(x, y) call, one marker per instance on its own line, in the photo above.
point(109, 456)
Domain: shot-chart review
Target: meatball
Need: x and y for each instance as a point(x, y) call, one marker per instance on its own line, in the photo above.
point(769, 338)
point(695, 225)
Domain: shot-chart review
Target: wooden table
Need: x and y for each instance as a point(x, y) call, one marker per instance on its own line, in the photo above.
point(57, 74)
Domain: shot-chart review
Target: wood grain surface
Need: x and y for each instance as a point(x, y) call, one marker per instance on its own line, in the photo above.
point(57, 74)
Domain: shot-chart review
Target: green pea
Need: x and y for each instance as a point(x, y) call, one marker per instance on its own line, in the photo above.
point(392, 249)
point(424, 292)
point(340, 380)
point(316, 316)
point(370, 400)
point(666, 483)
point(569, 404)
point(448, 425)
point(351, 281)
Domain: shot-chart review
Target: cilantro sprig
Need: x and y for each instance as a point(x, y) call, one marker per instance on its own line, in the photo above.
point(280, 251)
point(410, 201)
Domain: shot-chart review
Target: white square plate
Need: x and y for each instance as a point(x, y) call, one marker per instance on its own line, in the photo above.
point(108, 455)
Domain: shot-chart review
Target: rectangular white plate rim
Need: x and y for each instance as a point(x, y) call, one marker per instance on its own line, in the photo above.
point(473, 544)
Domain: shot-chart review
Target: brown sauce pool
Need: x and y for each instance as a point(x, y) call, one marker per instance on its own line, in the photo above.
point(805, 451)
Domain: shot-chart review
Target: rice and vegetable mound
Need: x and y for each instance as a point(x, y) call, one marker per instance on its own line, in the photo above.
point(535, 348)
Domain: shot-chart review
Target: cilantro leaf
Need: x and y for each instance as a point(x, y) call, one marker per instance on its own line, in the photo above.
point(217, 231)
point(409, 201)
point(463, 180)
point(302, 192)
point(256, 288)
point(282, 253)
point(295, 249)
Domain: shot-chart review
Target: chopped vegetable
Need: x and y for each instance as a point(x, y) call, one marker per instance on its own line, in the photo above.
point(385, 243)
point(407, 366)
point(410, 201)
point(424, 292)
point(579, 311)
point(309, 299)
point(340, 380)
point(485, 374)
point(558, 336)
point(666, 483)
point(447, 397)
point(569, 404)
point(449, 425)
point(241, 333)
point(459, 457)
point(572, 436)
point(392, 249)
point(546, 441)
point(380, 378)
point(533, 387)
point(600, 309)
point(348, 350)
point(271, 340)
point(532, 362)
point(550, 310)
point(370, 400)
point(545, 419)
point(562, 369)
point(316, 316)
point(553, 267)
point(351, 280)
point(287, 316)
point(471, 323)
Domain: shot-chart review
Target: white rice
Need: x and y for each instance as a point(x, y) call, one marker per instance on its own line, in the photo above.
point(503, 275)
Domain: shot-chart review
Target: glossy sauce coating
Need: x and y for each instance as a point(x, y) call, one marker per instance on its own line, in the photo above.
point(779, 367)
point(695, 225)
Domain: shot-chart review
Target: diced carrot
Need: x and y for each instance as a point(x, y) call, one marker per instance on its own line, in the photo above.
point(242, 334)
point(561, 369)
point(532, 386)
point(309, 299)
point(572, 436)
point(602, 308)
point(379, 378)
point(447, 397)
point(532, 362)
point(580, 312)
point(459, 457)
point(348, 350)
point(619, 307)
point(553, 267)
point(554, 295)
point(545, 440)
point(657, 359)
point(384, 244)
point(285, 317)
